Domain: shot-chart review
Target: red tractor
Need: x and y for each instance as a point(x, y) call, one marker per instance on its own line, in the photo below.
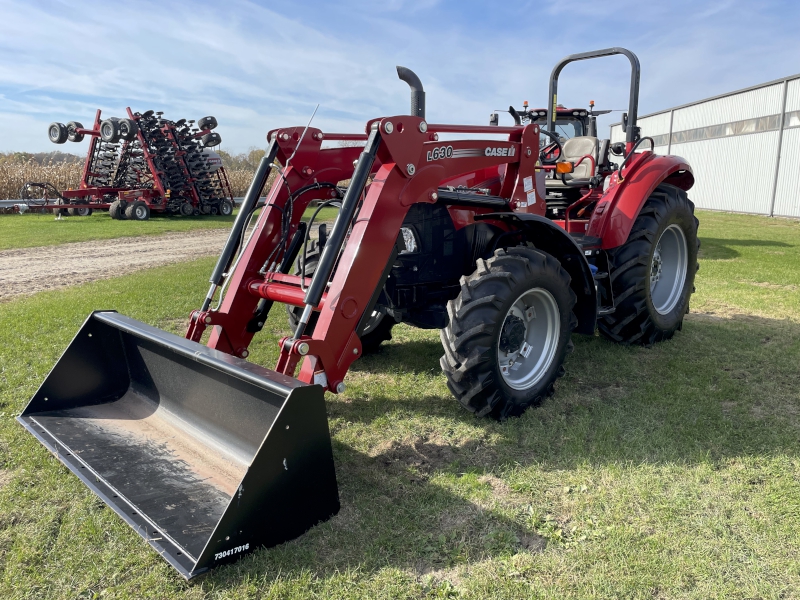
point(210, 456)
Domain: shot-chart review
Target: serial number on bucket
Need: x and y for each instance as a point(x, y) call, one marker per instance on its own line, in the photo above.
point(235, 550)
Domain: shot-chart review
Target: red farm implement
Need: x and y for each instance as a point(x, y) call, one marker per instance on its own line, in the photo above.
point(209, 456)
point(138, 165)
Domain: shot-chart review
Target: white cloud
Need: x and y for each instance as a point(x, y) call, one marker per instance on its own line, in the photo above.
point(256, 67)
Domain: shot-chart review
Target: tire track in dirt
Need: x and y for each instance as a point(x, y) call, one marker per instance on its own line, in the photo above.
point(26, 271)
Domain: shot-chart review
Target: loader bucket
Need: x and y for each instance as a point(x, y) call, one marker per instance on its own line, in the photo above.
point(205, 455)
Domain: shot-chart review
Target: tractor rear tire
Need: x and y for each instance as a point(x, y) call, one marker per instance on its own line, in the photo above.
point(509, 332)
point(377, 332)
point(652, 274)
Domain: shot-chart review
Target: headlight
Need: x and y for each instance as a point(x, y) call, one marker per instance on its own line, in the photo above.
point(409, 240)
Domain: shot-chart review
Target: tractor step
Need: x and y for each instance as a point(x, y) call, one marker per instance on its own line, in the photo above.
point(587, 242)
point(205, 455)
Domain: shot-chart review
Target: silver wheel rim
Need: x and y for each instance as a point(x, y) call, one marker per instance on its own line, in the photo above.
point(226, 209)
point(373, 322)
point(524, 366)
point(668, 270)
point(140, 212)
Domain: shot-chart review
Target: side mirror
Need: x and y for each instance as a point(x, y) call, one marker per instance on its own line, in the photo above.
point(494, 119)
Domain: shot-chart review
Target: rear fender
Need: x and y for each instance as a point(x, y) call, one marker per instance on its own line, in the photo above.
point(549, 237)
point(618, 208)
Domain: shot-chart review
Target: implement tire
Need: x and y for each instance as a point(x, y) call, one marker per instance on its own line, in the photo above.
point(653, 272)
point(79, 212)
point(115, 210)
point(509, 332)
point(378, 330)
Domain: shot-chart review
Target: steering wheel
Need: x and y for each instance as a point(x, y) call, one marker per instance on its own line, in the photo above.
point(550, 149)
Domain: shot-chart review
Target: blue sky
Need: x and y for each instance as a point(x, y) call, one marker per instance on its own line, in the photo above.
point(260, 65)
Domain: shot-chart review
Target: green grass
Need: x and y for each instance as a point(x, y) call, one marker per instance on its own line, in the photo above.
point(325, 214)
point(30, 230)
point(670, 472)
point(35, 229)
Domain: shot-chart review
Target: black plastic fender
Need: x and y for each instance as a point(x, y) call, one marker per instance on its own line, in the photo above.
point(549, 237)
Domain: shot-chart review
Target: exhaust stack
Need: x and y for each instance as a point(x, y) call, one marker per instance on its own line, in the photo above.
point(417, 92)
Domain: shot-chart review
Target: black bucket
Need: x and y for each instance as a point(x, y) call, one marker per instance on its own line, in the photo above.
point(205, 455)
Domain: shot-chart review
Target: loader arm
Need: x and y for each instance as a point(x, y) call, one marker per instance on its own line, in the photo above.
point(406, 164)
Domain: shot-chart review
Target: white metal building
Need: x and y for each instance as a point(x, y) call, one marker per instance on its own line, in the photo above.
point(744, 147)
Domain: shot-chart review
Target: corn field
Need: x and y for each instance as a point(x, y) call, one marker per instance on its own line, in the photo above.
point(68, 175)
point(14, 174)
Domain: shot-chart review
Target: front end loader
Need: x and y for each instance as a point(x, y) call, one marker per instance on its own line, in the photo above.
point(209, 456)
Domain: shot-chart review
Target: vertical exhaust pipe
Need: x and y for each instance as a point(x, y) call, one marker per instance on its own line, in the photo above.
point(417, 92)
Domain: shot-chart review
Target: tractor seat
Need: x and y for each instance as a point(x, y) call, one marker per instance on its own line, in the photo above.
point(573, 150)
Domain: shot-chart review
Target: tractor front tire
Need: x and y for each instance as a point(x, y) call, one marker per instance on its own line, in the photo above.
point(509, 332)
point(379, 330)
point(652, 273)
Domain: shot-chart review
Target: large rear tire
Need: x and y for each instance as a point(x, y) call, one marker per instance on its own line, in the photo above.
point(509, 332)
point(652, 273)
point(379, 328)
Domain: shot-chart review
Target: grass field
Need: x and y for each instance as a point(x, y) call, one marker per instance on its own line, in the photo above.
point(670, 472)
point(31, 230)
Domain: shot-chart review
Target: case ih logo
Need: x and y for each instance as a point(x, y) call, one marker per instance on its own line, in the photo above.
point(499, 151)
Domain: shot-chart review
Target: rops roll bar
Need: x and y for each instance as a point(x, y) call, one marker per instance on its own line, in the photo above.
point(629, 127)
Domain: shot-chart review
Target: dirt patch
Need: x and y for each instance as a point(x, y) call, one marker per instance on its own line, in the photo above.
point(136, 420)
point(30, 270)
point(724, 314)
point(26, 271)
point(771, 286)
point(426, 457)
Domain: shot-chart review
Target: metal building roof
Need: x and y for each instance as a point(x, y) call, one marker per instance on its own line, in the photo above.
point(717, 97)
